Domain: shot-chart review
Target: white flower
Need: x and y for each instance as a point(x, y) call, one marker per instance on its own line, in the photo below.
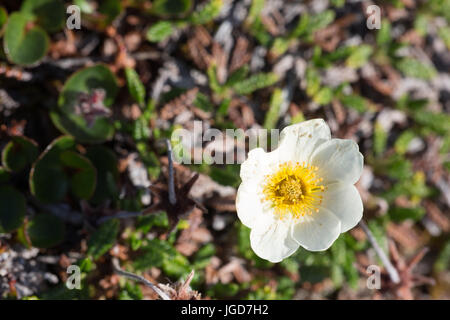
point(302, 193)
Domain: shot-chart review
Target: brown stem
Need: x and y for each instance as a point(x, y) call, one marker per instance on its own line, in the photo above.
point(135, 277)
point(393, 273)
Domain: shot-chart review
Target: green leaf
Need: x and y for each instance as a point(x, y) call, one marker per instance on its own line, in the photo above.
point(286, 288)
point(12, 209)
point(437, 122)
point(45, 231)
point(160, 31)
point(421, 24)
point(4, 175)
point(228, 176)
point(384, 34)
point(274, 109)
point(312, 81)
point(255, 11)
point(398, 214)
point(223, 108)
point(171, 7)
point(103, 238)
point(159, 220)
point(207, 13)
point(202, 101)
point(48, 165)
point(135, 86)
point(19, 153)
point(62, 292)
point(414, 68)
point(86, 264)
point(301, 27)
point(49, 14)
point(22, 46)
point(279, 46)
point(359, 56)
point(320, 21)
point(203, 256)
point(402, 142)
point(338, 3)
point(323, 96)
point(105, 162)
point(111, 9)
point(443, 32)
point(223, 291)
point(154, 254)
point(85, 81)
point(314, 274)
point(439, 8)
point(351, 273)
point(337, 275)
point(3, 19)
point(395, 166)
point(131, 291)
point(213, 81)
point(85, 5)
point(255, 82)
point(354, 101)
point(379, 139)
point(67, 169)
point(413, 187)
point(84, 176)
point(177, 266)
point(299, 117)
point(379, 233)
point(237, 76)
point(259, 31)
point(443, 261)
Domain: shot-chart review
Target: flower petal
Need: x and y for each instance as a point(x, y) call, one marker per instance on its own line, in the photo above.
point(338, 160)
point(248, 204)
point(345, 202)
point(274, 243)
point(300, 140)
point(257, 163)
point(318, 231)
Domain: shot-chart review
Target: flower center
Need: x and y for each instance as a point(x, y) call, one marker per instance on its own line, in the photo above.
point(293, 190)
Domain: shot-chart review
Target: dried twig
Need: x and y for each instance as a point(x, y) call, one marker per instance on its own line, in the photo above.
point(393, 273)
point(172, 195)
point(120, 215)
point(408, 278)
point(182, 290)
point(185, 204)
point(132, 276)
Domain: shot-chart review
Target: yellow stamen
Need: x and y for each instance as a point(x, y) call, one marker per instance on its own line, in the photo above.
point(294, 190)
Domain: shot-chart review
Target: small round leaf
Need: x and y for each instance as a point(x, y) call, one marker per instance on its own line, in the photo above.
point(3, 18)
point(49, 14)
point(171, 7)
point(12, 209)
point(45, 231)
point(22, 46)
point(18, 153)
point(85, 81)
point(4, 175)
point(48, 181)
point(81, 173)
point(105, 161)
